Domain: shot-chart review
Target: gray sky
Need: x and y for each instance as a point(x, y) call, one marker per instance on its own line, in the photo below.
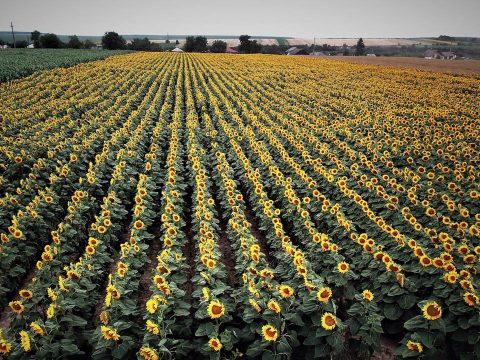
point(296, 18)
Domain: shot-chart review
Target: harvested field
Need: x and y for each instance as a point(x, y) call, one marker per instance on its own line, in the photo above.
point(446, 66)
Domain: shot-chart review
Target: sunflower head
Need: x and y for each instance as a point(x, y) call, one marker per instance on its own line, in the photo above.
point(329, 321)
point(109, 333)
point(471, 299)
point(274, 306)
point(342, 267)
point(269, 333)
point(324, 294)
point(16, 306)
point(367, 295)
point(37, 329)
point(414, 346)
point(215, 344)
point(285, 291)
point(216, 309)
point(432, 311)
point(148, 353)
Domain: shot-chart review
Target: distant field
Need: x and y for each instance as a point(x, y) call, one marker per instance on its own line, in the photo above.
point(447, 66)
point(16, 63)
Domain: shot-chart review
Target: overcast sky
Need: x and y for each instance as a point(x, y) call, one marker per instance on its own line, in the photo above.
point(295, 18)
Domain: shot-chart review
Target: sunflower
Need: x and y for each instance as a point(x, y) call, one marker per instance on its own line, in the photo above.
point(324, 294)
point(148, 353)
point(215, 344)
point(425, 261)
point(104, 317)
point(210, 263)
point(5, 347)
point(25, 339)
point(152, 327)
point(269, 333)
point(471, 299)
point(26, 294)
point(255, 305)
point(93, 242)
point(329, 321)
point(16, 306)
point(216, 309)
point(109, 333)
point(37, 329)
point(138, 225)
point(90, 250)
point(367, 295)
point(51, 311)
point(152, 306)
point(414, 346)
point(285, 291)
point(273, 305)
point(342, 267)
point(17, 234)
point(432, 311)
point(102, 229)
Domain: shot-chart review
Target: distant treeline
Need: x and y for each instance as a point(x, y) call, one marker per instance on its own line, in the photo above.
point(462, 46)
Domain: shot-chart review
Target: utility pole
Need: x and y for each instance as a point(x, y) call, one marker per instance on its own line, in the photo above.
point(314, 45)
point(13, 35)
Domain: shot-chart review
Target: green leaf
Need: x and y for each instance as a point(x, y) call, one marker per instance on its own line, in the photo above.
point(418, 322)
point(426, 338)
point(393, 311)
point(407, 301)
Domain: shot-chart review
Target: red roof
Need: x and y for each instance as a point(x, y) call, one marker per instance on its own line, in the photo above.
point(231, 51)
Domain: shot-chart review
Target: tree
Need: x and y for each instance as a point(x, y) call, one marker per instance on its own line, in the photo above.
point(35, 36)
point(218, 46)
point(112, 41)
point(248, 46)
point(244, 46)
point(360, 48)
point(177, 42)
point(141, 45)
point(21, 44)
point(195, 44)
point(88, 44)
point(50, 41)
point(74, 42)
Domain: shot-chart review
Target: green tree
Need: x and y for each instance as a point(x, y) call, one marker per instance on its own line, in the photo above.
point(248, 46)
point(112, 41)
point(35, 36)
point(88, 44)
point(50, 41)
point(244, 46)
point(218, 46)
point(195, 44)
point(360, 48)
point(74, 42)
point(141, 45)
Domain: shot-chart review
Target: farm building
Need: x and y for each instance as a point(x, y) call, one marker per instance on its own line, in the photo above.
point(231, 51)
point(318, 53)
point(177, 50)
point(435, 54)
point(296, 51)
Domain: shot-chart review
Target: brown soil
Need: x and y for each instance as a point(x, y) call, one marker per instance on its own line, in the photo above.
point(189, 249)
point(146, 278)
point(388, 348)
point(5, 314)
point(469, 67)
point(257, 234)
point(223, 242)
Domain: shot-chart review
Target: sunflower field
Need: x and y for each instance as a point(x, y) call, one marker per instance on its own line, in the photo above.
point(161, 205)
